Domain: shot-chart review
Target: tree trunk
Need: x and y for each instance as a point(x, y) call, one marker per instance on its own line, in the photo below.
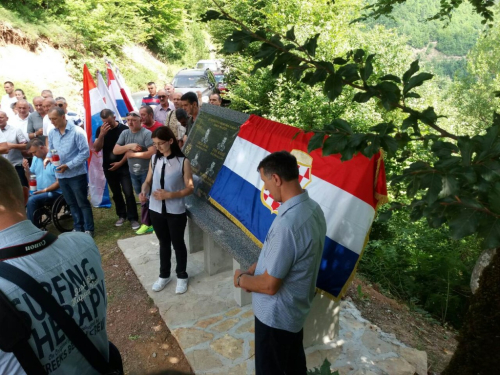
point(478, 351)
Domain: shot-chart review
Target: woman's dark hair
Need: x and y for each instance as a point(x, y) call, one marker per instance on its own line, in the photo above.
point(24, 96)
point(166, 134)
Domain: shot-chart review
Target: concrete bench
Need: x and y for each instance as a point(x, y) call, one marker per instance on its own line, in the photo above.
point(226, 246)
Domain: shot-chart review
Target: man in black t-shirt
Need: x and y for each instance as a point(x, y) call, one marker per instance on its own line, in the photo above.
point(116, 169)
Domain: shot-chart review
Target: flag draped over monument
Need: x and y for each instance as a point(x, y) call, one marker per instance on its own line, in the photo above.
point(348, 193)
point(94, 104)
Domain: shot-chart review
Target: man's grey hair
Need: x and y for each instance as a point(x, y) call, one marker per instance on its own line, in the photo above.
point(60, 99)
point(35, 142)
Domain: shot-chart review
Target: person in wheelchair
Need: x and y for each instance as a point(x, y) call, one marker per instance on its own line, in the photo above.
point(47, 185)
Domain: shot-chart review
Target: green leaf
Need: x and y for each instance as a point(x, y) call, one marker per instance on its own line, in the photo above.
point(358, 55)
point(416, 81)
point(383, 128)
point(367, 70)
point(464, 223)
point(428, 116)
point(318, 76)
point(410, 121)
point(211, 15)
point(315, 142)
point(497, 94)
point(450, 186)
point(494, 199)
point(334, 144)
point(389, 144)
point(489, 231)
point(349, 72)
point(280, 64)
point(363, 97)
point(342, 125)
point(434, 183)
point(416, 213)
point(373, 146)
point(391, 77)
point(339, 61)
point(333, 86)
point(311, 44)
point(237, 41)
point(447, 162)
point(412, 95)
point(444, 149)
point(410, 72)
point(266, 50)
point(290, 34)
point(466, 146)
point(264, 62)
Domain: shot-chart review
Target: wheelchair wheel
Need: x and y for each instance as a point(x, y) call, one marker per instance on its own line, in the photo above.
point(42, 217)
point(61, 215)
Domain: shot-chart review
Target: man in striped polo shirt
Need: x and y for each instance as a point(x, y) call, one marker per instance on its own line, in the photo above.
point(283, 280)
point(151, 99)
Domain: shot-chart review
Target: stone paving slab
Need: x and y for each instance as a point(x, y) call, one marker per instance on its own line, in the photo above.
point(217, 336)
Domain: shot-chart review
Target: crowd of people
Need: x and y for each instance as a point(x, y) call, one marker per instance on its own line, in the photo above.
point(144, 157)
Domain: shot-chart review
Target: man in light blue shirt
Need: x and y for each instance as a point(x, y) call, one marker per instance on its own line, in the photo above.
point(47, 185)
point(73, 150)
point(283, 280)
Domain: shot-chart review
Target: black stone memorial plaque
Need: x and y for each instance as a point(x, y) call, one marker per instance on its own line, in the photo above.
point(209, 141)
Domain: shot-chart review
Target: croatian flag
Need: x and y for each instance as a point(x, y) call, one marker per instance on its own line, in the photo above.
point(94, 104)
point(109, 102)
point(348, 193)
point(116, 95)
point(125, 91)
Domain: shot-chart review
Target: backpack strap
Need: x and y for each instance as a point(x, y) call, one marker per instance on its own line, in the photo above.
point(15, 335)
point(63, 320)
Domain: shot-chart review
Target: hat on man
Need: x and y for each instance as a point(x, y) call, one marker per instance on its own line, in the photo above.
point(134, 113)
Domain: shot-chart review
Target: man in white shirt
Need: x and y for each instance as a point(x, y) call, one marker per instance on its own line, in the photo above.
point(16, 143)
point(20, 120)
point(8, 99)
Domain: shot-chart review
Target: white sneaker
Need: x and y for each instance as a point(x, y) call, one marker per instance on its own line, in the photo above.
point(160, 284)
point(182, 286)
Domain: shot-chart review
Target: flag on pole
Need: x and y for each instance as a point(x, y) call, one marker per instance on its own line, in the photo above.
point(94, 104)
point(125, 91)
point(114, 91)
point(109, 102)
point(348, 193)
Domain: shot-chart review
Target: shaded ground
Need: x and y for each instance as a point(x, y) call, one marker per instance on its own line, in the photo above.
point(411, 328)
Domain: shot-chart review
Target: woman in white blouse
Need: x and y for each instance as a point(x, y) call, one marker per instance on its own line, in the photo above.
point(168, 181)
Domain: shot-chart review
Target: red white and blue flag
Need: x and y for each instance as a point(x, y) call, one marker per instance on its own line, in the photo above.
point(115, 93)
point(94, 104)
point(106, 96)
point(348, 193)
point(124, 90)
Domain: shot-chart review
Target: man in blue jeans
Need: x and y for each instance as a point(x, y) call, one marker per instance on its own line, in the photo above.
point(73, 150)
point(47, 185)
point(137, 145)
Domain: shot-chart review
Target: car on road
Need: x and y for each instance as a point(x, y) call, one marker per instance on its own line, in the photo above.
point(213, 65)
point(195, 80)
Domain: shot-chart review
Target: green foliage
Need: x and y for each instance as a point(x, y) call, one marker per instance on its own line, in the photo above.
point(323, 370)
point(455, 37)
point(421, 266)
point(446, 11)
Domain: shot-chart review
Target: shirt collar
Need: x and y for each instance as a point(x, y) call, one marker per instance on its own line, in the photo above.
point(293, 202)
point(16, 233)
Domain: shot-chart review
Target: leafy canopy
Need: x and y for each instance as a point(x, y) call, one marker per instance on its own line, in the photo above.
point(458, 185)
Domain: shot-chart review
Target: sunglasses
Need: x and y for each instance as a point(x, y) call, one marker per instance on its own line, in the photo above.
point(60, 105)
point(161, 96)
